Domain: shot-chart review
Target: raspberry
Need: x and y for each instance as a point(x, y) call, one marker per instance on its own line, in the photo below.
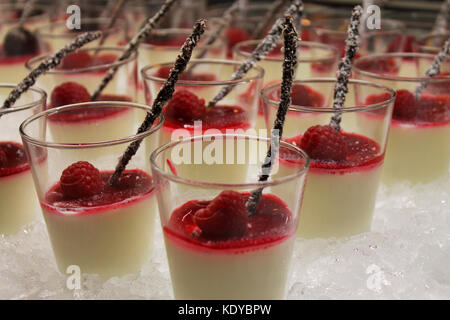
point(80, 179)
point(404, 107)
point(304, 96)
point(68, 93)
point(163, 72)
point(186, 106)
point(380, 66)
point(76, 60)
point(324, 143)
point(234, 36)
point(224, 217)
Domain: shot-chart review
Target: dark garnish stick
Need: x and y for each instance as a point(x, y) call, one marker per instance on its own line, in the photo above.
point(266, 45)
point(132, 46)
point(435, 68)
point(345, 67)
point(289, 68)
point(264, 23)
point(50, 63)
point(164, 95)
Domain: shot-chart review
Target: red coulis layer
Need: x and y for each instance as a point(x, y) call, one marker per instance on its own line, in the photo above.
point(272, 222)
point(217, 117)
point(92, 113)
point(164, 72)
point(132, 186)
point(428, 109)
point(12, 158)
point(360, 152)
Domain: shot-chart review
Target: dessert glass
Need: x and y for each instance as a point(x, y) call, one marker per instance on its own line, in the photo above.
point(249, 263)
point(110, 232)
point(340, 193)
point(314, 60)
point(122, 87)
point(418, 149)
point(431, 43)
point(390, 38)
point(54, 36)
point(237, 111)
point(18, 204)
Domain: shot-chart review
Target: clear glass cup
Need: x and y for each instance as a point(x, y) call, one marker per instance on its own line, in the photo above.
point(342, 184)
point(314, 60)
point(182, 15)
point(18, 202)
point(390, 38)
point(431, 43)
point(237, 256)
point(163, 45)
point(418, 149)
point(95, 62)
point(102, 229)
point(56, 35)
point(205, 78)
point(12, 55)
point(245, 20)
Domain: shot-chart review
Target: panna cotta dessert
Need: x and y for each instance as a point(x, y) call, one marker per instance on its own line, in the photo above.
point(103, 229)
point(216, 252)
point(418, 148)
point(188, 113)
point(18, 201)
point(315, 60)
point(18, 45)
point(101, 224)
point(346, 164)
point(88, 67)
point(215, 247)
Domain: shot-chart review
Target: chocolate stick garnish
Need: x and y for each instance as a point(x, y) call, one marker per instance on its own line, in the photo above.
point(226, 20)
point(345, 67)
point(27, 9)
point(48, 64)
point(114, 15)
point(258, 32)
point(289, 68)
point(435, 68)
point(266, 45)
point(164, 95)
point(133, 45)
point(441, 20)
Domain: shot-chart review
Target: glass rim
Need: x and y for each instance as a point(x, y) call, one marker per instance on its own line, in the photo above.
point(247, 79)
point(170, 176)
point(219, 43)
point(45, 30)
point(397, 26)
point(334, 52)
point(86, 145)
point(42, 100)
point(311, 109)
point(407, 55)
point(419, 42)
point(132, 57)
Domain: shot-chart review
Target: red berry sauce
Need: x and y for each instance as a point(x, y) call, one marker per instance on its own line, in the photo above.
point(271, 224)
point(133, 186)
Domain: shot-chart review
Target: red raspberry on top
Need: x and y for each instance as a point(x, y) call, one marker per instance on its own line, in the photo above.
point(80, 179)
point(405, 105)
point(224, 217)
point(186, 106)
point(76, 60)
point(302, 95)
point(234, 36)
point(68, 93)
point(324, 143)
